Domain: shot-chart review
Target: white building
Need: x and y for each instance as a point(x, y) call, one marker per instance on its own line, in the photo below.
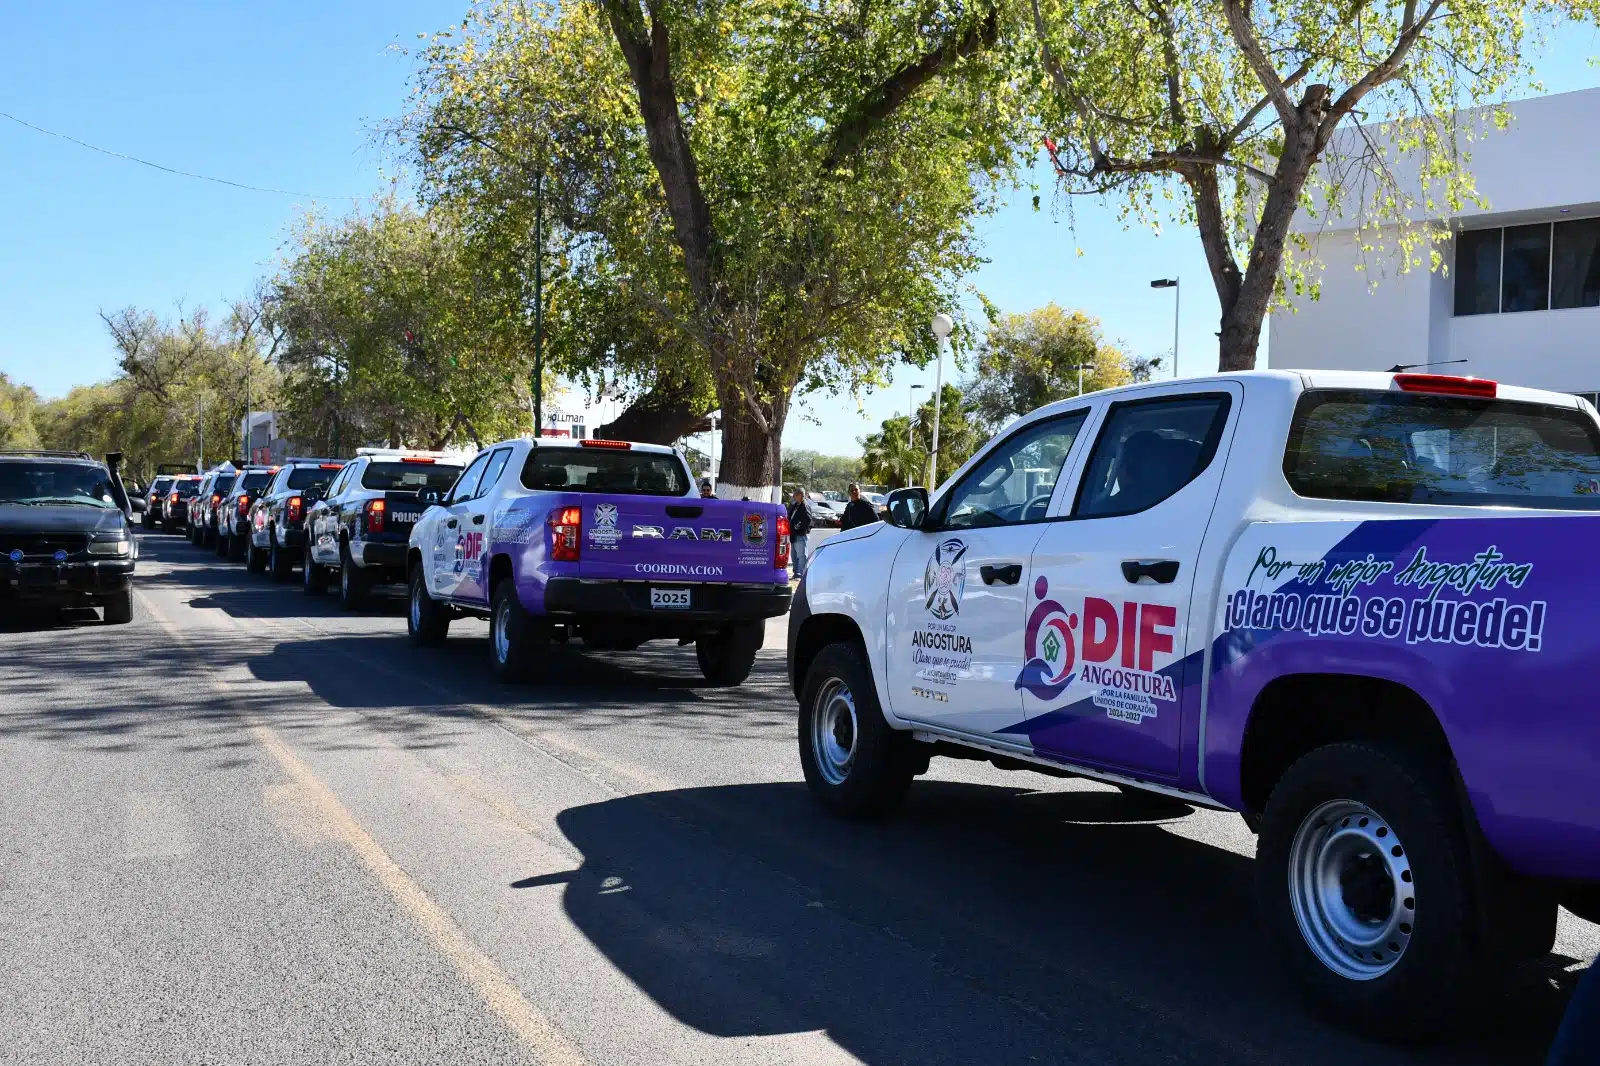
point(569, 412)
point(1520, 302)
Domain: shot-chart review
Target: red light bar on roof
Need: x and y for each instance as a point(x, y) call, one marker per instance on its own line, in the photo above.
point(414, 459)
point(620, 445)
point(1446, 385)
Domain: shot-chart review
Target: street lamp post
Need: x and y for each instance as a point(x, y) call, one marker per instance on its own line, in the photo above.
point(942, 325)
point(538, 304)
point(1177, 301)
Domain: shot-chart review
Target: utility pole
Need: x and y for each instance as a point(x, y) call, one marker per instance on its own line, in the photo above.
point(538, 304)
point(942, 325)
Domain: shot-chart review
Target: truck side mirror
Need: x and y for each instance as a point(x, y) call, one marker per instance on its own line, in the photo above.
point(430, 497)
point(908, 508)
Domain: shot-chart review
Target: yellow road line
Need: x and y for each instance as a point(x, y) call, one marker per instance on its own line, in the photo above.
point(481, 972)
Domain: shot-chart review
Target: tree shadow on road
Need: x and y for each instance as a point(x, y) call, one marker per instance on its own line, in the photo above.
point(983, 925)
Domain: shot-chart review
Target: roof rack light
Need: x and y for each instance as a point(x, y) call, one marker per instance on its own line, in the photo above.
point(617, 445)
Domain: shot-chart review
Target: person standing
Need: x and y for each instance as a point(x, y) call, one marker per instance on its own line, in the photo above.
point(857, 512)
point(707, 492)
point(799, 533)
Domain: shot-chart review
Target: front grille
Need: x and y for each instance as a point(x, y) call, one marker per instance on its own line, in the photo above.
point(43, 545)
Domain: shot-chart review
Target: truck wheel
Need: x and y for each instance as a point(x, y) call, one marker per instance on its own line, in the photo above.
point(727, 655)
point(315, 578)
point(194, 536)
point(1367, 890)
point(278, 562)
point(353, 581)
point(219, 544)
point(513, 635)
point(238, 547)
point(856, 765)
point(255, 558)
point(119, 609)
point(427, 620)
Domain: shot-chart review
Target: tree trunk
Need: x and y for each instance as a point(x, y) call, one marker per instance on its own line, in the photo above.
point(660, 416)
point(750, 452)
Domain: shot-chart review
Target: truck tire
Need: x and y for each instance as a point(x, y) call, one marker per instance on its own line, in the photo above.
point(314, 581)
point(1367, 891)
point(427, 620)
point(279, 565)
point(727, 655)
point(238, 547)
point(514, 636)
point(353, 581)
point(220, 544)
point(119, 608)
point(255, 558)
point(194, 535)
point(856, 765)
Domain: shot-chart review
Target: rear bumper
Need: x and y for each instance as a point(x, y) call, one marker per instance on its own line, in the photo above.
point(292, 538)
point(378, 553)
point(65, 585)
point(579, 599)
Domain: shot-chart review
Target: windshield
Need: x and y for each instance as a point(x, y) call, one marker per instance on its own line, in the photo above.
point(55, 483)
point(1412, 448)
point(303, 477)
point(409, 477)
point(597, 470)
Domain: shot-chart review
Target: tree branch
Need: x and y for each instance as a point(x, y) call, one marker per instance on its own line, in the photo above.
point(1244, 34)
point(1412, 30)
point(882, 101)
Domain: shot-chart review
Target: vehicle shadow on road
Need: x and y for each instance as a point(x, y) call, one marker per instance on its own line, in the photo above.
point(983, 925)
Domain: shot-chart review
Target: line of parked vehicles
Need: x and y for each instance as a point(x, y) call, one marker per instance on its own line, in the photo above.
point(1360, 617)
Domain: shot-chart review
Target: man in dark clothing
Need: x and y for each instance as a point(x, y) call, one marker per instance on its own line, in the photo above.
point(799, 533)
point(857, 512)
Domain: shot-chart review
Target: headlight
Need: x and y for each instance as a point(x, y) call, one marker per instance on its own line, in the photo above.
point(119, 546)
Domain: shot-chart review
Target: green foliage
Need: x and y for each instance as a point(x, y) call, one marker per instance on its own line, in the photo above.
point(396, 329)
point(1031, 359)
point(898, 454)
point(816, 472)
point(18, 404)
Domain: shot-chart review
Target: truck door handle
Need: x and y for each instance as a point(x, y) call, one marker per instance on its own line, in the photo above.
point(1164, 571)
point(1008, 574)
point(477, 519)
point(450, 524)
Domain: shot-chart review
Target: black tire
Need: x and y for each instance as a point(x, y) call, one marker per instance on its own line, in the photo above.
point(1439, 969)
point(194, 535)
point(514, 636)
point(314, 580)
point(881, 761)
point(727, 655)
point(220, 544)
point(353, 581)
point(119, 608)
point(238, 547)
point(427, 620)
point(255, 559)
point(279, 565)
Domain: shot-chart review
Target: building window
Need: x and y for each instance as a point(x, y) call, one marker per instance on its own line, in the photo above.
point(1525, 268)
point(1575, 268)
point(1478, 272)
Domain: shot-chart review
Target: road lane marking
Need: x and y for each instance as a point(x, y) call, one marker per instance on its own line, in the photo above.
point(491, 983)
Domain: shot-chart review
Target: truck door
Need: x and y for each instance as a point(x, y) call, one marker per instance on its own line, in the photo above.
point(1109, 630)
point(474, 515)
point(959, 588)
point(451, 541)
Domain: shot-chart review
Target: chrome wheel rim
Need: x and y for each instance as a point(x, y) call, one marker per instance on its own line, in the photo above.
point(416, 606)
point(502, 639)
point(834, 731)
point(1351, 889)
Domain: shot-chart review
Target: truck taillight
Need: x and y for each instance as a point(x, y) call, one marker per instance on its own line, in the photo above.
point(566, 529)
point(216, 498)
point(376, 512)
point(173, 498)
point(244, 506)
point(297, 507)
point(780, 547)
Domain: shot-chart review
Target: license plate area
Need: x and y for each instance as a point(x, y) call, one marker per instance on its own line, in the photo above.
point(679, 599)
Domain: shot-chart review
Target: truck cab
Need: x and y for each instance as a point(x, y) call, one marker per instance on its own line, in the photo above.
point(1318, 599)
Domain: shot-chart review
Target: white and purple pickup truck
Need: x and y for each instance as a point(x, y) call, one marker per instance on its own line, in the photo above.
point(600, 540)
point(1360, 609)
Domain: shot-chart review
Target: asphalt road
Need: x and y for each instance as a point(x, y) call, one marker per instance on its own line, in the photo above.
point(250, 827)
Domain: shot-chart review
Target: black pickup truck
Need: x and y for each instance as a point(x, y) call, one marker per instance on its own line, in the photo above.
point(66, 533)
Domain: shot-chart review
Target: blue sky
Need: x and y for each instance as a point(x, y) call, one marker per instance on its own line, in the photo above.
point(287, 95)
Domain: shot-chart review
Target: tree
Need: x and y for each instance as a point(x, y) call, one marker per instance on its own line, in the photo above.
point(891, 457)
point(817, 472)
point(898, 454)
point(1031, 359)
point(1239, 102)
point(17, 406)
point(785, 191)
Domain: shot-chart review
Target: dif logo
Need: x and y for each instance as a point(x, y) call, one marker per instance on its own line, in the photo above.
point(1056, 639)
point(469, 548)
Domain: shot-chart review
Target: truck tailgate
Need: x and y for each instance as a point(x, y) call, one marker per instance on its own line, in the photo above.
point(673, 539)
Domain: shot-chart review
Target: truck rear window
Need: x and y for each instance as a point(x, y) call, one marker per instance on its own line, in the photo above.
point(257, 479)
point(1399, 447)
point(598, 470)
point(303, 477)
point(409, 477)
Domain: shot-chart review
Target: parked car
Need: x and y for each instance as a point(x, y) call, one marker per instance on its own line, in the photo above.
point(233, 513)
point(66, 532)
point(360, 529)
point(601, 540)
point(175, 508)
point(823, 514)
point(1364, 617)
point(153, 498)
point(277, 518)
point(214, 486)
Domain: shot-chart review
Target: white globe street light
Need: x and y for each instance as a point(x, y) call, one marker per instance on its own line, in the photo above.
point(942, 325)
